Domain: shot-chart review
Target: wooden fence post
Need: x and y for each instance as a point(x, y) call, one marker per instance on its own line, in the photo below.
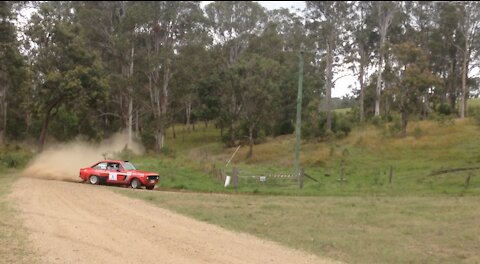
point(235, 177)
point(467, 180)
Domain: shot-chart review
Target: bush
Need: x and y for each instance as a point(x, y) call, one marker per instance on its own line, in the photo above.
point(284, 127)
point(13, 157)
point(444, 109)
point(417, 132)
point(342, 124)
point(474, 112)
point(377, 121)
point(341, 127)
point(167, 151)
point(148, 139)
point(394, 128)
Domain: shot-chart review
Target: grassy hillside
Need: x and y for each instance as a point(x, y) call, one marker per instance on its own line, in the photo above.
point(366, 219)
point(367, 154)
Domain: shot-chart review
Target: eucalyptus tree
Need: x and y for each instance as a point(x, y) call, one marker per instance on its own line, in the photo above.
point(110, 30)
point(385, 13)
point(232, 24)
point(445, 41)
point(67, 74)
point(12, 66)
point(258, 78)
point(168, 25)
point(469, 29)
point(420, 25)
point(412, 79)
point(327, 24)
point(363, 44)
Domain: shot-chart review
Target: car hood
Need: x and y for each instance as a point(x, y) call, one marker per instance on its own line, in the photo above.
point(144, 172)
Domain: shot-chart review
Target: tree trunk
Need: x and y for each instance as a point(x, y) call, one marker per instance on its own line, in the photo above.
point(173, 130)
point(426, 107)
point(130, 98)
point(3, 114)
point(404, 123)
point(329, 86)
point(362, 89)
point(232, 133)
point(379, 83)
point(130, 120)
point(43, 134)
point(463, 103)
point(188, 113)
point(385, 14)
point(250, 137)
point(137, 133)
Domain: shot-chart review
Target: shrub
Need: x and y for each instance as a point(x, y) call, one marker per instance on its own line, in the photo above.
point(148, 139)
point(377, 121)
point(417, 132)
point(284, 127)
point(444, 109)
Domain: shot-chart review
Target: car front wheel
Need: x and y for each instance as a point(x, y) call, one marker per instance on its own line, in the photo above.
point(135, 184)
point(93, 180)
point(150, 187)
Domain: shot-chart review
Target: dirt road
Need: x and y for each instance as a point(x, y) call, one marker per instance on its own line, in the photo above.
point(80, 223)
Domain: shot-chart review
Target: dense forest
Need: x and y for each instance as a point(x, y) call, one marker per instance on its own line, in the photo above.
point(91, 69)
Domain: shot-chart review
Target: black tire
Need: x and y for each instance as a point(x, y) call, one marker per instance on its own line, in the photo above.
point(94, 179)
point(150, 187)
point(135, 184)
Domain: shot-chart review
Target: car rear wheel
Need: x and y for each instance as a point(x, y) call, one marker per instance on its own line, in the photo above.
point(135, 184)
point(94, 180)
point(150, 187)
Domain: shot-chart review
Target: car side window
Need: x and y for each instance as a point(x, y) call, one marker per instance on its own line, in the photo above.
point(101, 166)
point(113, 166)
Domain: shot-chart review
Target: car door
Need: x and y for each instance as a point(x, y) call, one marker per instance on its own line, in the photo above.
point(116, 173)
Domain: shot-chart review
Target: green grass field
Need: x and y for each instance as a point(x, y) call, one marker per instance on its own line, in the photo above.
point(362, 229)
point(417, 218)
point(367, 155)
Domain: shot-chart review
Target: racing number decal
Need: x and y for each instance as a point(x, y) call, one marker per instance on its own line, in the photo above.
point(112, 176)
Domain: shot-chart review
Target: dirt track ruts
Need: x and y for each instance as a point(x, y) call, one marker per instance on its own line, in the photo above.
point(80, 223)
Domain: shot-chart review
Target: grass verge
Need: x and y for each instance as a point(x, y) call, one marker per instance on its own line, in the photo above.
point(369, 229)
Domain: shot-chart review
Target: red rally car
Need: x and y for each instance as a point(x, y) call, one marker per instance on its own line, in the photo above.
point(118, 172)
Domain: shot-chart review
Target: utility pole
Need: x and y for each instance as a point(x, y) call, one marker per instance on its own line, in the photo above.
point(299, 115)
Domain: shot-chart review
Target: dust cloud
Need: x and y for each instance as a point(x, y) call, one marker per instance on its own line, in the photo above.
point(63, 161)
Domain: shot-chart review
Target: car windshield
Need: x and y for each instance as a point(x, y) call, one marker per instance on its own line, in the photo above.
point(129, 166)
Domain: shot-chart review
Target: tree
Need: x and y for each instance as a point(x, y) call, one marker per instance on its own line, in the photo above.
point(12, 66)
point(232, 25)
point(363, 45)
point(413, 78)
point(327, 26)
point(385, 14)
point(167, 29)
point(66, 72)
point(469, 30)
point(258, 81)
